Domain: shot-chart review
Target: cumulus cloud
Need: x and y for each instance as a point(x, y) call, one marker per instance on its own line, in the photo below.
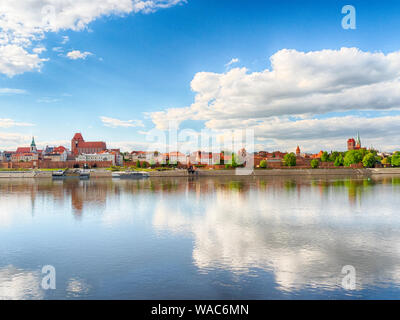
point(76, 54)
point(15, 60)
point(299, 85)
point(114, 123)
point(25, 22)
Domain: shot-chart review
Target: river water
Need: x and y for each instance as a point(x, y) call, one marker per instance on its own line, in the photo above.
point(201, 238)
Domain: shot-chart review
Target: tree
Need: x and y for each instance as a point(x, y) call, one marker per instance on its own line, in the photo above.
point(386, 161)
point(338, 161)
point(369, 160)
point(325, 157)
point(263, 164)
point(352, 157)
point(395, 161)
point(314, 163)
point(290, 159)
point(137, 164)
point(333, 156)
point(234, 162)
point(144, 164)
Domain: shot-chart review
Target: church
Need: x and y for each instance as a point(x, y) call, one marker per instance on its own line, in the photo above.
point(80, 146)
point(354, 144)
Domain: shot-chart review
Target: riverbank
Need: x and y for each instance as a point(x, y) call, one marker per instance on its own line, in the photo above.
point(226, 173)
point(283, 172)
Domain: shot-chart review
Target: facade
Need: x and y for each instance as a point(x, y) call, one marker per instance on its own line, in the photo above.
point(58, 154)
point(204, 158)
point(80, 146)
point(97, 157)
point(176, 157)
point(24, 157)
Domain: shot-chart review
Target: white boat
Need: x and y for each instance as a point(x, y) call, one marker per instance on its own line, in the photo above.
point(130, 174)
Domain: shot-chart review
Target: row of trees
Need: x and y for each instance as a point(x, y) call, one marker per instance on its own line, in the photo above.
point(369, 158)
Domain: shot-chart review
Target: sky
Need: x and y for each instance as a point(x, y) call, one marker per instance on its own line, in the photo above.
point(118, 70)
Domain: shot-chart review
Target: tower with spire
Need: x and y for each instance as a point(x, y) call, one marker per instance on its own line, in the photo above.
point(33, 146)
point(358, 141)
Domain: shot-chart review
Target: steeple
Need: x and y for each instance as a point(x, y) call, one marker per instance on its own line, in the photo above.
point(33, 146)
point(358, 141)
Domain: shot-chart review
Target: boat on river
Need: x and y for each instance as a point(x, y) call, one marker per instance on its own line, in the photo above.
point(130, 174)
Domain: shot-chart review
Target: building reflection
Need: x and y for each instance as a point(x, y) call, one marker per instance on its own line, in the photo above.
point(94, 193)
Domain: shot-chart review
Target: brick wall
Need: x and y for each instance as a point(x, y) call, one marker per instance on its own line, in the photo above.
point(54, 164)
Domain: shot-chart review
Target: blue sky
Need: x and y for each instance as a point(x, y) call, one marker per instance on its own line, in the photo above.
point(142, 62)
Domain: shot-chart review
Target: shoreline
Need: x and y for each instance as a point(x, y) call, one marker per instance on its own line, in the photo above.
point(366, 172)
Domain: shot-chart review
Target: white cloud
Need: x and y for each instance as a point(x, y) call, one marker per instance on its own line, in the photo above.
point(76, 54)
point(48, 100)
point(16, 60)
point(233, 61)
point(8, 123)
point(12, 91)
point(9, 141)
point(25, 22)
point(65, 39)
point(300, 85)
point(113, 123)
point(39, 50)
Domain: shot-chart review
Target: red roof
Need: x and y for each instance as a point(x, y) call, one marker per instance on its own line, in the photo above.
point(78, 136)
point(83, 144)
point(23, 150)
point(59, 149)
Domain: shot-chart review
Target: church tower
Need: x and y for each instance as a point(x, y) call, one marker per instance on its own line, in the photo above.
point(33, 146)
point(358, 141)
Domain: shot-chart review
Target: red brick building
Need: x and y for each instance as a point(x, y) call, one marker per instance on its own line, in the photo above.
point(80, 146)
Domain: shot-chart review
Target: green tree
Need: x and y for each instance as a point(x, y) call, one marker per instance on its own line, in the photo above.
point(263, 164)
point(234, 161)
point(338, 161)
point(352, 157)
point(314, 163)
point(369, 160)
point(325, 157)
point(137, 164)
point(333, 156)
point(386, 161)
point(395, 161)
point(290, 159)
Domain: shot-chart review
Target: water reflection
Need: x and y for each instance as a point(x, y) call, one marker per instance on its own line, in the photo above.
point(236, 237)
